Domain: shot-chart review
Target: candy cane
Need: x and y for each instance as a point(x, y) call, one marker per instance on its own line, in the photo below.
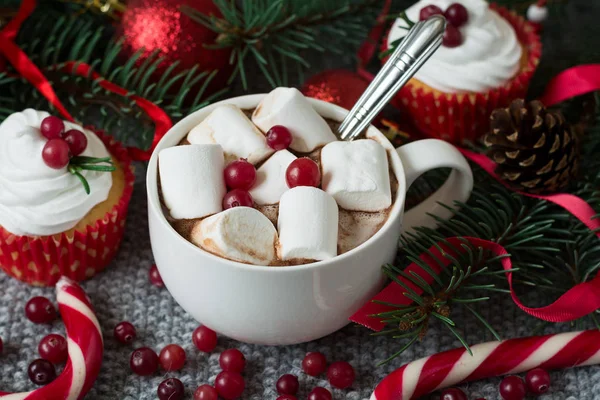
point(85, 346)
point(449, 368)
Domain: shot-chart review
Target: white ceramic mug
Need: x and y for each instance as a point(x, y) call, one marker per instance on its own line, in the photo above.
point(288, 305)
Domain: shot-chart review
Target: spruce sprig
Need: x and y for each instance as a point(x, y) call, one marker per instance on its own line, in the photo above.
point(84, 163)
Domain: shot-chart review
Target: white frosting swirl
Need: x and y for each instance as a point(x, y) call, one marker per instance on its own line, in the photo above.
point(488, 58)
point(37, 200)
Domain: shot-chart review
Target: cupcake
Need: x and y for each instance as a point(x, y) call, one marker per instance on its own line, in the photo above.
point(64, 193)
point(486, 60)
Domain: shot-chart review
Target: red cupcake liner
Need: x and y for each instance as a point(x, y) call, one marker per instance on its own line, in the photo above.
point(465, 117)
point(42, 260)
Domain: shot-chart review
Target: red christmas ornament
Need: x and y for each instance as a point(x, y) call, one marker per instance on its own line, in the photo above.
point(160, 25)
point(337, 86)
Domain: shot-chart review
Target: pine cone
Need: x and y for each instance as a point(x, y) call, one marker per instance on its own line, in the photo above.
point(535, 149)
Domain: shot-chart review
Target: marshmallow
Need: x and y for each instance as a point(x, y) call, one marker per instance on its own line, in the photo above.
point(270, 178)
point(307, 224)
point(238, 234)
point(356, 174)
point(191, 179)
point(288, 107)
point(228, 126)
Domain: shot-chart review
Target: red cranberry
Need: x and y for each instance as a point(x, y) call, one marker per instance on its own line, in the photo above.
point(41, 372)
point(155, 277)
point(512, 388)
point(232, 360)
point(452, 37)
point(206, 392)
point(240, 174)
point(428, 11)
point(124, 332)
point(287, 384)
point(170, 389)
point(144, 361)
point(314, 364)
point(287, 397)
point(172, 357)
point(456, 14)
point(279, 137)
point(319, 393)
point(237, 198)
point(229, 385)
point(537, 381)
point(453, 394)
point(40, 310)
point(56, 153)
point(52, 127)
point(204, 339)
point(340, 374)
point(53, 348)
point(303, 172)
point(76, 140)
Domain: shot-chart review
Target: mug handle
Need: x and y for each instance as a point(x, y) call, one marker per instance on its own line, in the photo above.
point(427, 154)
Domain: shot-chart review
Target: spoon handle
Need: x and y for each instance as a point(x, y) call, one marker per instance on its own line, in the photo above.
point(418, 45)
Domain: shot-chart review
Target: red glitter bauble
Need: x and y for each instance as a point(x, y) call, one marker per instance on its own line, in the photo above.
point(337, 86)
point(160, 25)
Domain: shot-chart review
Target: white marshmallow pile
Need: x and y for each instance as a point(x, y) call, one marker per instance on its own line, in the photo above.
point(289, 107)
point(270, 178)
point(356, 174)
point(191, 179)
point(307, 224)
point(241, 234)
point(355, 177)
point(228, 126)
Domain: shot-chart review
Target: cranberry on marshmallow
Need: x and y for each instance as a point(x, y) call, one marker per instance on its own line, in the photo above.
point(289, 107)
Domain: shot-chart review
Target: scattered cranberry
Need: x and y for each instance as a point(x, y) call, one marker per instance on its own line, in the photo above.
point(456, 14)
point(52, 127)
point(229, 385)
point(303, 172)
point(56, 153)
point(124, 332)
point(453, 394)
point(512, 388)
point(287, 397)
point(172, 357)
point(428, 11)
point(279, 137)
point(76, 140)
point(232, 360)
point(170, 389)
point(319, 393)
point(40, 310)
point(287, 384)
point(144, 361)
point(206, 392)
point(314, 363)
point(53, 348)
point(155, 277)
point(452, 37)
point(340, 374)
point(204, 339)
point(237, 198)
point(537, 381)
point(240, 174)
point(41, 372)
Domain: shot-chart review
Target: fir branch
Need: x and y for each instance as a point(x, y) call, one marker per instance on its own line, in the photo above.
point(277, 34)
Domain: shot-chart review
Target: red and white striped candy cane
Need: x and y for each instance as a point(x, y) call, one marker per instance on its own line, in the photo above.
point(563, 350)
point(85, 346)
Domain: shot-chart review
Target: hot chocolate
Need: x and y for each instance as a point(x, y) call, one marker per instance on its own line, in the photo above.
point(324, 216)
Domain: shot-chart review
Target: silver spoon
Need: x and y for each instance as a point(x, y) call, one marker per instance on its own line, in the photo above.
point(418, 45)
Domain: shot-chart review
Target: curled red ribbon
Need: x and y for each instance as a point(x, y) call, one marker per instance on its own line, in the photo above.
point(27, 69)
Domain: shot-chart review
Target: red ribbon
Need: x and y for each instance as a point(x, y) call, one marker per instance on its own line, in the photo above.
point(572, 82)
point(27, 69)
